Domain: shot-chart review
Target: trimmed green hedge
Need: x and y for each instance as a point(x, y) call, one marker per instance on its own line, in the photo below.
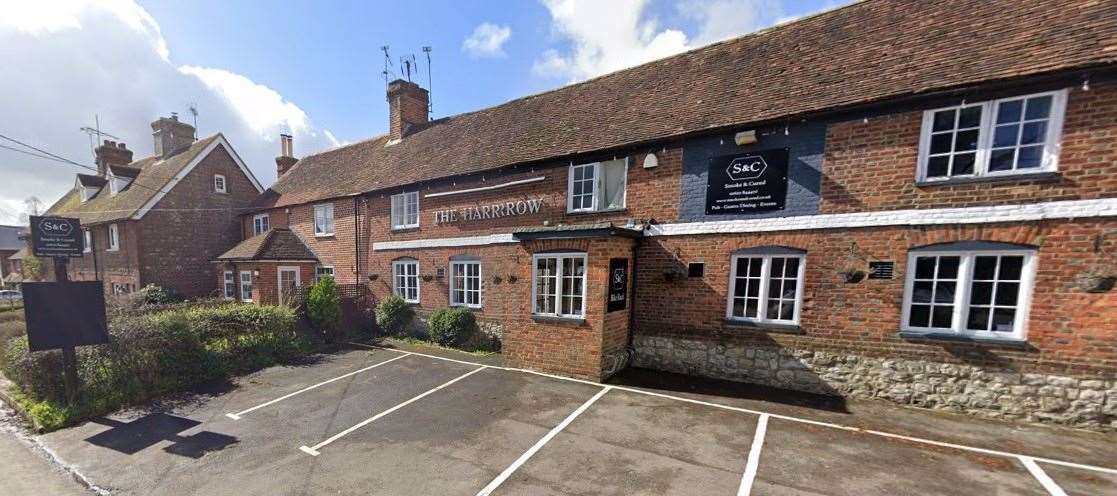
point(453, 327)
point(154, 354)
point(394, 315)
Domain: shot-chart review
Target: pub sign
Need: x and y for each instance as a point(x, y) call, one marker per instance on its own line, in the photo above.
point(746, 183)
point(56, 237)
point(618, 284)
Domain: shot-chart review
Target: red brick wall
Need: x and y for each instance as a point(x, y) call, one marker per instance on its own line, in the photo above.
point(872, 166)
point(121, 266)
point(1070, 330)
point(337, 250)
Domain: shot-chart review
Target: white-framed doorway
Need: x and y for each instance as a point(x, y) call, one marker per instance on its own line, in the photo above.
point(288, 280)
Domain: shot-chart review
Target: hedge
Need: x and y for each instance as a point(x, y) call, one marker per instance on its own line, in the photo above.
point(154, 354)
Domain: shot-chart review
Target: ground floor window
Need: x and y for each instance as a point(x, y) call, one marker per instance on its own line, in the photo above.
point(246, 285)
point(230, 285)
point(405, 276)
point(982, 293)
point(559, 285)
point(465, 284)
point(324, 271)
point(765, 288)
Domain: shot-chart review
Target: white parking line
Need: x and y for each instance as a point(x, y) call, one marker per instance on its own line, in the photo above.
point(754, 457)
point(315, 450)
point(540, 443)
point(1052, 488)
point(781, 417)
point(242, 413)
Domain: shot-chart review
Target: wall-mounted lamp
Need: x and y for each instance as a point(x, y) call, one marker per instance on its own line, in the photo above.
point(651, 161)
point(745, 138)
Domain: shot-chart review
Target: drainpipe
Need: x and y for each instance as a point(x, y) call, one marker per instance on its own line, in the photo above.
point(632, 308)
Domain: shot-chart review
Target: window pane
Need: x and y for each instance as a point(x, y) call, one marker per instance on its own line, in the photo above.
point(920, 316)
point(944, 292)
point(948, 267)
point(979, 319)
point(755, 264)
point(614, 175)
point(777, 267)
point(773, 311)
point(787, 310)
point(970, 117)
point(1034, 132)
point(789, 289)
point(792, 268)
point(738, 307)
point(981, 293)
point(1011, 266)
point(751, 305)
point(1038, 108)
point(1003, 319)
point(924, 267)
point(964, 163)
point(985, 268)
point(1030, 157)
point(943, 120)
point(1001, 160)
point(1007, 293)
point(941, 143)
point(921, 292)
point(942, 315)
point(966, 141)
point(774, 288)
point(1005, 136)
point(938, 166)
point(1009, 111)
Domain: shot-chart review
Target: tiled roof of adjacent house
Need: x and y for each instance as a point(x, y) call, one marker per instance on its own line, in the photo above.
point(152, 175)
point(869, 51)
point(279, 243)
point(9, 238)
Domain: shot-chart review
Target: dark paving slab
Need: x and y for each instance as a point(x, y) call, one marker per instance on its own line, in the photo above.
point(452, 442)
point(629, 443)
point(1078, 482)
point(805, 459)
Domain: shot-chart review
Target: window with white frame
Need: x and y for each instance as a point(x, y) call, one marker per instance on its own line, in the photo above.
point(324, 219)
point(465, 284)
point(114, 238)
point(405, 280)
point(219, 184)
point(766, 285)
point(323, 271)
point(260, 224)
point(980, 292)
point(88, 240)
point(405, 210)
point(230, 285)
point(246, 285)
point(597, 186)
point(993, 138)
point(559, 285)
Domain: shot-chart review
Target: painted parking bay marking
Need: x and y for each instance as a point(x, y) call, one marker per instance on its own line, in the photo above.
point(316, 449)
point(242, 413)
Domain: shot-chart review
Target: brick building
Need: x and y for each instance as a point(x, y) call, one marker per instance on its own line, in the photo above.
point(160, 219)
point(10, 243)
point(887, 200)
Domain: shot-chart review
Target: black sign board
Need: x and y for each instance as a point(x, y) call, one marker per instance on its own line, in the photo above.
point(746, 183)
point(64, 314)
point(56, 237)
point(618, 284)
point(882, 269)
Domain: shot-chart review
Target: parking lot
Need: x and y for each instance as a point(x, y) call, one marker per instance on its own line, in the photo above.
point(388, 421)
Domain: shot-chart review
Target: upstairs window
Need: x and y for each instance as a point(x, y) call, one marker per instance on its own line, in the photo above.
point(88, 241)
point(597, 186)
point(766, 286)
point(260, 224)
point(465, 284)
point(994, 138)
point(324, 219)
point(979, 292)
point(405, 280)
point(405, 210)
point(219, 184)
point(114, 238)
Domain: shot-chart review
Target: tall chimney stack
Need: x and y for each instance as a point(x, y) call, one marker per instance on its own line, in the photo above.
point(111, 153)
point(171, 135)
point(408, 105)
point(286, 158)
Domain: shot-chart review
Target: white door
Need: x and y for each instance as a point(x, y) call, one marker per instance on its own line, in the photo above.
point(288, 281)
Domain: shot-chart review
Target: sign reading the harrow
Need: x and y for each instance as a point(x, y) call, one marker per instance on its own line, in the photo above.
point(490, 211)
point(747, 183)
point(56, 237)
point(618, 284)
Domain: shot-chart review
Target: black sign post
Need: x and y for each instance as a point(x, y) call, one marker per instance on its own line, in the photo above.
point(618, 284)
point(58, 238)
point(747, 183)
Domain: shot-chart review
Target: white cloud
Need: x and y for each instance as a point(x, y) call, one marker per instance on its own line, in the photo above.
point(77, 59)
point(487, 40)
point(609, 36)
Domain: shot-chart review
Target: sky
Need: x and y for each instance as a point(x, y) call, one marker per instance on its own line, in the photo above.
point(255, 69)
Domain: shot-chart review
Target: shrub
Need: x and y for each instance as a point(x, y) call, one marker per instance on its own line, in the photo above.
point(393, 315)
point(323, 306)
point(156, 353)
point(453, 326)
point(154, 295)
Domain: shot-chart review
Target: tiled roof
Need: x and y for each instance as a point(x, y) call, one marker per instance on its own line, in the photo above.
point(869, 51)
point(278, 243)
point(89, 180)
point(124, 171)
point(21, 254)
point(153, 174)
point(9, 238)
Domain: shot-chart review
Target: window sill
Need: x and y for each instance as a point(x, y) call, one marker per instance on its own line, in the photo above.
point(321, 236)
point(958, 338)
point(396, 230)
point(772, 327)
point(1004, 178)
point(551, 319)
point(592, 212)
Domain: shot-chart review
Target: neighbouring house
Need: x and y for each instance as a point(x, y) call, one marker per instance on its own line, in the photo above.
point(884, 200)
point(160, 219)
point(10, 243)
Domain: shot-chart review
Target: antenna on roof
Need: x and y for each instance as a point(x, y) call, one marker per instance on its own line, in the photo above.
point(430, 84)
point(387, 67)
point(194, 111)
point(407, 63)
point(96, 131)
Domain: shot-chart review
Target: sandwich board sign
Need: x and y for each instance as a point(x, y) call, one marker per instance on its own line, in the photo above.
point(56, 237)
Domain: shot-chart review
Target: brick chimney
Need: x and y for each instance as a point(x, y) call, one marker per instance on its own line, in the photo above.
point(171, 135)
point(111, 153)
point(286, 159)
point(408, 104)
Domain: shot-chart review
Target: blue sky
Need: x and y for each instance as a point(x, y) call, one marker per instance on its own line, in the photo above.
point(256, 69)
